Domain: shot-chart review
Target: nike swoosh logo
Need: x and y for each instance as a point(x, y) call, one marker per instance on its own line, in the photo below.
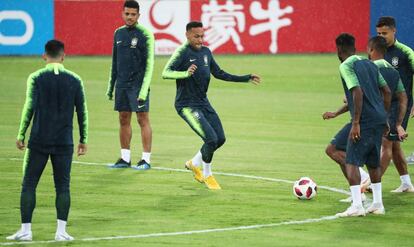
point(18, 237)
point(140, 106)
point(393, 134)
point(118, 42)
point(192, 60)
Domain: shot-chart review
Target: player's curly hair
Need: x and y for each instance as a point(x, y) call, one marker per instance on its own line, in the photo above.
point(346, 42)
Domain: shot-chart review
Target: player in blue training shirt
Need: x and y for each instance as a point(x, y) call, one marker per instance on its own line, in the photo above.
point(362, 83)
point(52, 95)
point(191, 66)
point(131, 73)
point(401, 57)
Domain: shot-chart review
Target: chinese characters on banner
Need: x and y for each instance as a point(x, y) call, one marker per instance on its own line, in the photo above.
point(231, 26)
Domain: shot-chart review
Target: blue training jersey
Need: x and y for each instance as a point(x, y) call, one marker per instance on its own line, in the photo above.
point(357, 71)
point(192, 90)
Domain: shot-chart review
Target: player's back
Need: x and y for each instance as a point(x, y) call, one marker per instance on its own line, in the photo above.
point(367, 74)
point(390, 75)
point(55, 92)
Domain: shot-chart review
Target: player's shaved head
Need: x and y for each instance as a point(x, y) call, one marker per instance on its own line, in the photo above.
point(193, 24)
point(345, 45)
point(54, 48)
point(378, 44)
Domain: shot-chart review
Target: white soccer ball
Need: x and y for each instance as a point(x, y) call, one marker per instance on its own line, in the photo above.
point(305, 188)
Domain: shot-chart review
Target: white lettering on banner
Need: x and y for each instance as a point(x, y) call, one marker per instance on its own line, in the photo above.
point(167, 20)
point(221, 22)
point(17, 15)
point(274, 22)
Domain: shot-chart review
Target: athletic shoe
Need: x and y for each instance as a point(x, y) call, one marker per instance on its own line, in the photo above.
point(63, 236)
point(142, 165)
point(120, 163)
point(198, 175)
point(211, 183)
point(365, 184)
point(376, 208)
point(352, 211)
point(21, 236)
point(404, 188)
point(410, 159)
point(349, 199)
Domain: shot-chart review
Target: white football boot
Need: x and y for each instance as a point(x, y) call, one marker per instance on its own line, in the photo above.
point(404, 188)
point(63, 236)
point(21, 236)
point(376, 208)
point(352, 211)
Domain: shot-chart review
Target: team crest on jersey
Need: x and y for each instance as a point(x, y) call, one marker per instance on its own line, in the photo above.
point(205, 60)
point(134, 42)
point(196, 115)
point(394, 61)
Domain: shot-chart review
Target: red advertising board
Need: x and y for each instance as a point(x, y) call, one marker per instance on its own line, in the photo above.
point(87, 27)
point(239, 26)
point(285, 26)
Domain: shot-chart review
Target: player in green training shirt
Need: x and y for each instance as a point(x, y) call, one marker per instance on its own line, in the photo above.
point(363, 86)
point(401, 57)
point(52, 95)
point(191, 66)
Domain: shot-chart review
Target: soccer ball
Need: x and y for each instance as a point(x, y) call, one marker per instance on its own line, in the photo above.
point(305, 188)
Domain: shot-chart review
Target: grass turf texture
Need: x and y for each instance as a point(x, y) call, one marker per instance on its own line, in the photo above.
point(274, 130)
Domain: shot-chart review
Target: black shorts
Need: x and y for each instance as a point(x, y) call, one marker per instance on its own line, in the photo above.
point(126, 99)
point(392, 120)
point(367, 150)
point(340, 140)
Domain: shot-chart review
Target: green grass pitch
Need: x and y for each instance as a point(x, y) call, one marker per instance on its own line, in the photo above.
point(274, 130)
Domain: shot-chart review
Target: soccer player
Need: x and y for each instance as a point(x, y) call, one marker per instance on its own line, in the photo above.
point(132, 66)
point(361, 81)
point(191, 66)
point(401, 57)
point(377, 47)
point(52, 94)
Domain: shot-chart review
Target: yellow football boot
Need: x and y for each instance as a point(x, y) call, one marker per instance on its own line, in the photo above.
point(198, 175)
point(211, 183)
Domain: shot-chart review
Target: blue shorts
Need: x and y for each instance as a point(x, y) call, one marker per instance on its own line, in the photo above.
point(340, 141)
point(126, 100)
point(392, 120)
point(367, 150)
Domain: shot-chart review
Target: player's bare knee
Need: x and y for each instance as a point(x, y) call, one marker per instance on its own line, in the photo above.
point(124, 119)
point(330, 150)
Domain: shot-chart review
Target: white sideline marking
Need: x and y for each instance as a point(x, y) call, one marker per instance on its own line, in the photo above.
point(220, 173)
point(294, 222)
point(164, 234)
point(229, 175)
